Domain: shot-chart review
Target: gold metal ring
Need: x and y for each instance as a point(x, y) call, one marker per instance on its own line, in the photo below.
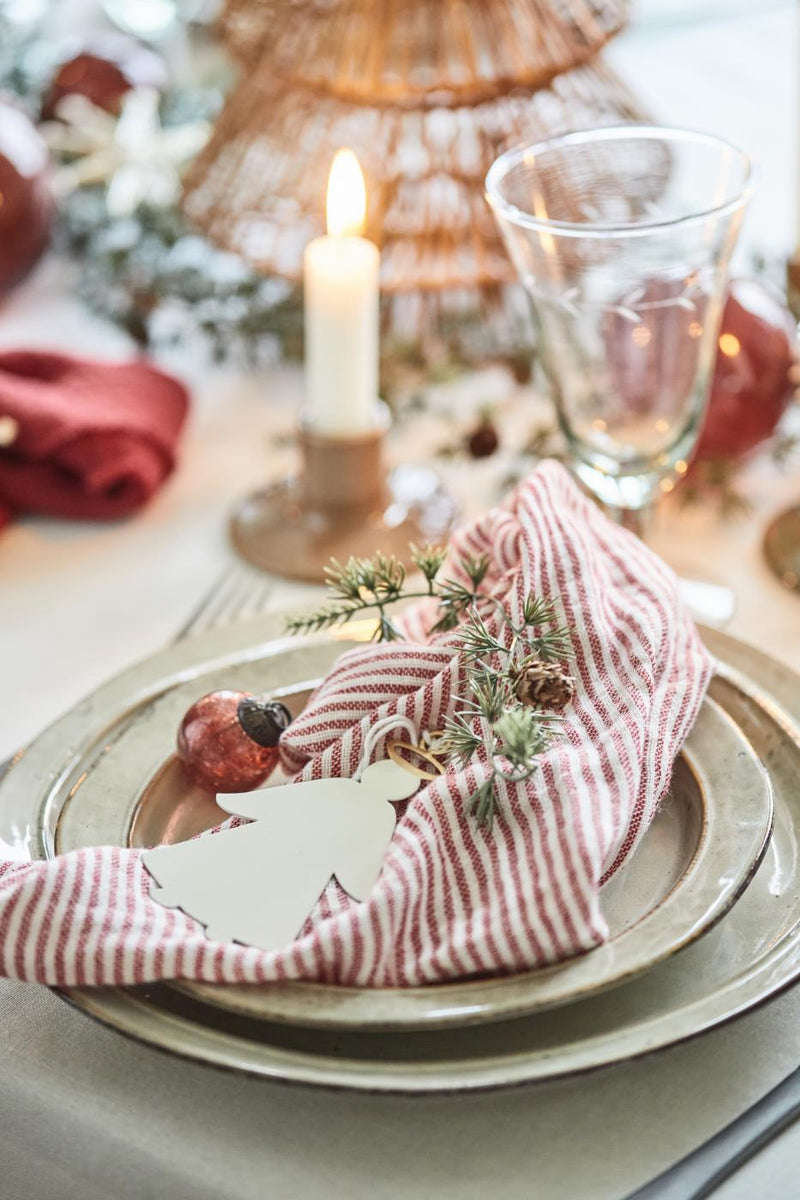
point(393, 748)
point(430, 737)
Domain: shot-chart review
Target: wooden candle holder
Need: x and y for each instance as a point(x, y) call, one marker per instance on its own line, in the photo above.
point(344, 502)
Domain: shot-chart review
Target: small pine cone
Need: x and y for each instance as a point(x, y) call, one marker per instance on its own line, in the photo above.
point(545, 685)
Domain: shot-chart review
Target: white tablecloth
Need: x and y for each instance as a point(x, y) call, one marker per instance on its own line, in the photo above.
point(85, 1113)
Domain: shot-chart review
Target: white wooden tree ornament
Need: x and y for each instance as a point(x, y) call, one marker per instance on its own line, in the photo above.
point(258, 883)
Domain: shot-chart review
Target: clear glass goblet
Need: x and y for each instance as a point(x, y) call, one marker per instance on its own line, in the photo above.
point(622, 237)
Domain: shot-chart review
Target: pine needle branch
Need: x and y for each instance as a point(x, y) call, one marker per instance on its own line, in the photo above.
point(551, 645)
point(326, 617)
point(458, 739)
point(491, 720)
point(536, 611)
point(477, 640)
point(475, 568)
point(428, 560)
point(484, 802)
point(491, 693)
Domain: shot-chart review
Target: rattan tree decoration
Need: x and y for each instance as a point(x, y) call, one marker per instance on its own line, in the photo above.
point(427, 93)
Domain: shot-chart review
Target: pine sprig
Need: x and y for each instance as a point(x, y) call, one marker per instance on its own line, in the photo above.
point(551, 645)
point(458, 739)
point(477, 641)
point(454, 601)
point(343, 581)
point(484, 802)
point(536, 611)
point(378, 580)
point(490, 693)
point(357, 586)
point(491, 721)
point(428, 561)
point(475, 568)
point(327, 617)
point(520, 736)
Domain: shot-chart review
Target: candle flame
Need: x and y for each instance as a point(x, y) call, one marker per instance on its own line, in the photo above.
point(347, 196)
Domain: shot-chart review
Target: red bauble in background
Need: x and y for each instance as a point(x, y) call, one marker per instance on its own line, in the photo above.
point(751, 385)
point(103, 67)
point(228, 741)
point(26, 202)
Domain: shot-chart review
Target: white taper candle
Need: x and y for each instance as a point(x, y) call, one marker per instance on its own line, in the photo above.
point(341, 279)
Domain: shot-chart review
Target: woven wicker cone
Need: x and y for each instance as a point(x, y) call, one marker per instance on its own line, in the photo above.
point(481, 324)
point(419, 52)
point(428, 93)
point(258, 188)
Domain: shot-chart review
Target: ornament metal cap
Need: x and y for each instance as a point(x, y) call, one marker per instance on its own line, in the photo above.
point(263, 720)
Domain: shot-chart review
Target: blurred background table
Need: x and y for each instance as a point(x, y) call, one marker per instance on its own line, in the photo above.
point(86, 1113)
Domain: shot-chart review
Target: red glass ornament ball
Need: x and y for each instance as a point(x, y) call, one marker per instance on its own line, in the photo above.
point(227, 741)
point(26, 201)
point(751, 386)
point(103, 67)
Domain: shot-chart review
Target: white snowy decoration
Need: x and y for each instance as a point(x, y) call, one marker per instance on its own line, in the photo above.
point(258, 883)
point(133, 154)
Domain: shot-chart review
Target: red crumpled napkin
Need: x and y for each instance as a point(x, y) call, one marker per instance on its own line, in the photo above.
point(86, 439)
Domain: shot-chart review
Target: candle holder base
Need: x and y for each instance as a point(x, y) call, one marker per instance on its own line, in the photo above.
point(343, 504)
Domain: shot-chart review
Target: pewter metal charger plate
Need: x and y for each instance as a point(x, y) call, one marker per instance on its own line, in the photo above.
point(693, 864)
point(751, 955)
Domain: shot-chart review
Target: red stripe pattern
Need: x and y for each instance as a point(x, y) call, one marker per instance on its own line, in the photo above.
point(452, 899)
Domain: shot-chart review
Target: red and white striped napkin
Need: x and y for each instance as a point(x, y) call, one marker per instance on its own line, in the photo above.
point(453, 899)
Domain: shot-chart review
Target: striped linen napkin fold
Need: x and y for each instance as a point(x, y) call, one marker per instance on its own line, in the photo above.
point(453, 898)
